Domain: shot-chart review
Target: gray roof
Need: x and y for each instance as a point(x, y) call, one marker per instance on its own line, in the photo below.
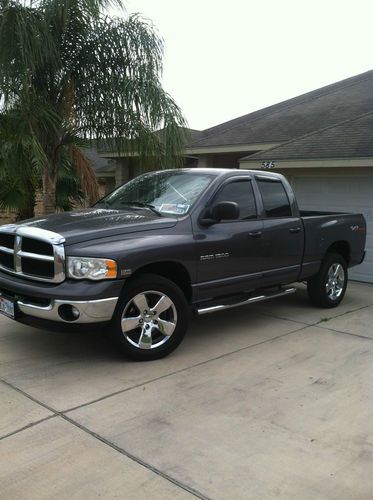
point(350, 138)
point(99, 164)
point(194, 134)
point(296, 117)
point(189, 136)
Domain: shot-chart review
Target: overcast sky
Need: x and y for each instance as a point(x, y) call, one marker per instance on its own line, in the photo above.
point(225, 59)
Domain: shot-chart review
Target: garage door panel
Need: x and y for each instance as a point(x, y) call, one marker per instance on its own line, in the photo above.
point(344, 194)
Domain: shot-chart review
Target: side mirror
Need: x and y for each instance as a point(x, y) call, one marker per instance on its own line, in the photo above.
point(224, 210)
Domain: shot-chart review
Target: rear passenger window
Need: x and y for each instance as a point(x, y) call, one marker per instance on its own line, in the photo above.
point(275, 200)
point(240, 192)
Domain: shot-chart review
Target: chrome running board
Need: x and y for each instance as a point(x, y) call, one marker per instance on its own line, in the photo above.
point(257, 298)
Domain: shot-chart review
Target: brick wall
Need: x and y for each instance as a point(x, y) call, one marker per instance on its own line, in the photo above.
point(6, 217)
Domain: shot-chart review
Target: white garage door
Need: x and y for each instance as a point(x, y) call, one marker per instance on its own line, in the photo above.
point(341, 194)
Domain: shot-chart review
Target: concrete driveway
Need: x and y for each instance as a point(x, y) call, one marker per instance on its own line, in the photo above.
point(273, 400)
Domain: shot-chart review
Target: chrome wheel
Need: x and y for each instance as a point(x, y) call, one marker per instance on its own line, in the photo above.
point(335, 281)
point(149, 319)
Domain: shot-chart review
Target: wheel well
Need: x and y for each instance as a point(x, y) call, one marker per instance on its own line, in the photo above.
point(171, 270)
point(341, 247)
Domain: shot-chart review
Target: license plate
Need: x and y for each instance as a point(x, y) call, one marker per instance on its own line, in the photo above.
point(6, 307)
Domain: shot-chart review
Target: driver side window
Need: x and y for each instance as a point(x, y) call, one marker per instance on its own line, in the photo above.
point(241, 192)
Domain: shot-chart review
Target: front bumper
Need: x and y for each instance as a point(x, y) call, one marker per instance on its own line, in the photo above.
point(88, 311)
point(92, 302)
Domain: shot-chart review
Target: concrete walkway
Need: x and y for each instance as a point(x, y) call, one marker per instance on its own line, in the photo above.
point(273, 400)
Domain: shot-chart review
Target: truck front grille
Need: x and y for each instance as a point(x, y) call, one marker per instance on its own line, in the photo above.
point(36, 246)
point(32, 253)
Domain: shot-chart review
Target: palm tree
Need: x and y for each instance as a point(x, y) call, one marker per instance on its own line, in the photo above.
point(20, 171)
point(70, 73)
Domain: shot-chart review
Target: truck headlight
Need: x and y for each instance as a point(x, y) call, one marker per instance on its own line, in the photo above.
point(91, 268)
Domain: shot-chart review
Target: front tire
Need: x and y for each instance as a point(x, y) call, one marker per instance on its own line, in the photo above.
point(328, 287)
point(151, 318)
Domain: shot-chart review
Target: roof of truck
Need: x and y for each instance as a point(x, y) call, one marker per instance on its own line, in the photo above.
point(228, 171)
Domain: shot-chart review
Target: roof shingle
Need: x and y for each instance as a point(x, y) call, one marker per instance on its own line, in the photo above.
point(296, 117)
point(350, 138)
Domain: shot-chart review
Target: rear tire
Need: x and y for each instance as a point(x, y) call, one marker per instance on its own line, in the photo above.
point(328, 287)
point(151, 318)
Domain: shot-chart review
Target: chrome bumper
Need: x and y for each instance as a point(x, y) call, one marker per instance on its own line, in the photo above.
point(90, 311)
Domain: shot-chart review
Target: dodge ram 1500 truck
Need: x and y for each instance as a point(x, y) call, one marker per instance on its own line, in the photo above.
point(171, 242)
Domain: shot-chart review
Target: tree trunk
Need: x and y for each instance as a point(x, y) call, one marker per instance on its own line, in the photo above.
point(28, 210)
point(49, 194)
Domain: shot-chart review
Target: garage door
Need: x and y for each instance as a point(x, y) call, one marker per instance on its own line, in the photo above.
point(343, 194)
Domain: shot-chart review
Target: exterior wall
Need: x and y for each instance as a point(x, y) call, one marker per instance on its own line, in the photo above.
point(222, 160)
point(129, 168)
point(106, 185)
point(121, 171)
point(142, 169)
point(291, 173)
point(317, 163)
point(203, 161)
point(6, 217)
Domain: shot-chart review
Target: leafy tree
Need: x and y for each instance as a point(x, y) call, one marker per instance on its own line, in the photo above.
point(69, 73)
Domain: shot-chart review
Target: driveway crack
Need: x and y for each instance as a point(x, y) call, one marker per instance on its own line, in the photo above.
point(136, 459)
point(120, 450)
point(342, 314)
point(28, 426)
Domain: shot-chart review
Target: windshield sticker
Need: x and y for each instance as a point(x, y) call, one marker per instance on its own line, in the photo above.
point(174, 208)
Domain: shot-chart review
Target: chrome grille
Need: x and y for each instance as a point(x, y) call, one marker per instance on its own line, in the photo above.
point(32, 253)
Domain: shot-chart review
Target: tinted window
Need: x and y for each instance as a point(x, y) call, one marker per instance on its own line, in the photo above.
point(275, 200)
point(242, 193)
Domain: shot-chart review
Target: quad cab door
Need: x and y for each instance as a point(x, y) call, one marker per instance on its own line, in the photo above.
point(283, 232)
point(229, 252)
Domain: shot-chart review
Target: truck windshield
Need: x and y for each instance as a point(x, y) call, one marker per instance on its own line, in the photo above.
point(165, 193)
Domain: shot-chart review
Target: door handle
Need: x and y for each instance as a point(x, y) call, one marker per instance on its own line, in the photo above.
point(294, 230)
point(255, 234)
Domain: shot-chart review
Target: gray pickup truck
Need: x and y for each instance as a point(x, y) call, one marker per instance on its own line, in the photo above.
point(168, 243)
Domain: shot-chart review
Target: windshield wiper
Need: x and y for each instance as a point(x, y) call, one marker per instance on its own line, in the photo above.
point(138, 204)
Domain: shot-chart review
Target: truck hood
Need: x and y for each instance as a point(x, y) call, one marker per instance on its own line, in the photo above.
point(94, 223)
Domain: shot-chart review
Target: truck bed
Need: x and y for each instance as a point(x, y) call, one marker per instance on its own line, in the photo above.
point(322, 229)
